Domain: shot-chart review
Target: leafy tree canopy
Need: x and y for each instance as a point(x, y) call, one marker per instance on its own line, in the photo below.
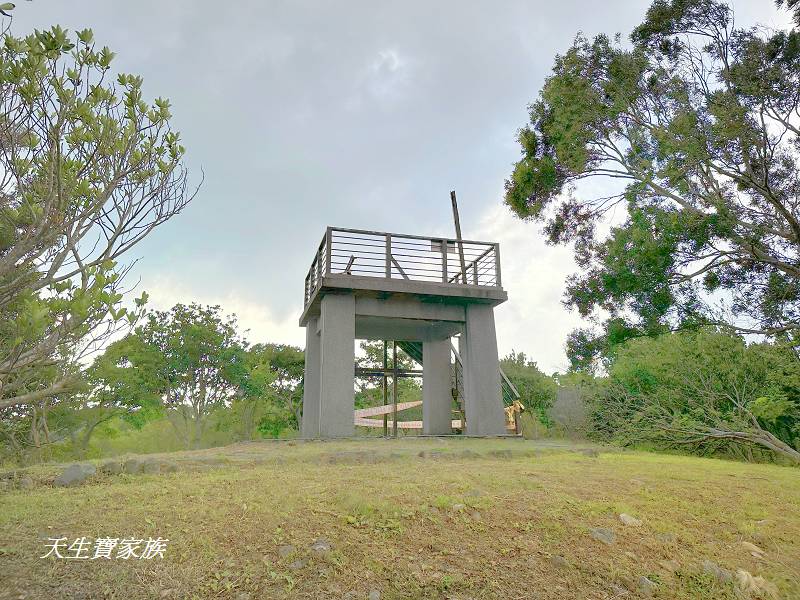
point(286, 365)
point(793, 5)
point(193, 358)
point(703, 390)
point(694, 129)
point(88, 169)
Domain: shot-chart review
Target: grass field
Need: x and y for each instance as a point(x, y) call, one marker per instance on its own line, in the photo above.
point(425, 518)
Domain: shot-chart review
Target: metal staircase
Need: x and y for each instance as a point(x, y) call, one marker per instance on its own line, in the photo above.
point(510, 393)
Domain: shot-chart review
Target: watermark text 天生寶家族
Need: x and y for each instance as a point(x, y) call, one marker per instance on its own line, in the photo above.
point(107, 548)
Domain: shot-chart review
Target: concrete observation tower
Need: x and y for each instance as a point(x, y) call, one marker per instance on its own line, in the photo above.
point(419, 292)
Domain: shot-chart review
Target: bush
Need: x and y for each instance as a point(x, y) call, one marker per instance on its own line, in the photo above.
point(706, 391)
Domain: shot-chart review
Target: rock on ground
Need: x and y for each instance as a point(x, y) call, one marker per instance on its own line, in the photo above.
point(75, 474)
point(501, 453)
point(601, 534)
point(298, 564)
point(629, 520)
point(646, 586)
point(671, 566)
point(321, 546)
point(151, 467)
point(753, 549)
point(434, 454)
point(112, 467)
point(133, 466)
point(721, 575)
point(354, 457)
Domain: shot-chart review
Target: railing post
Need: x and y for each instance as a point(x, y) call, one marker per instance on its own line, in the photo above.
point(328, 246)
point(498, 281)
point(474, 272)
point(318, 282)
point(444, 261)
point(388, 256)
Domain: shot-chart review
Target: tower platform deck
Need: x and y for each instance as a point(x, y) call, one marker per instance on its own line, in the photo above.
point(376, 264)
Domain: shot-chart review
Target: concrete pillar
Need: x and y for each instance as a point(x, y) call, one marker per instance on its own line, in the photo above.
point(482, 396)
point(436, 395)
point(310, 425)
point(337, 363)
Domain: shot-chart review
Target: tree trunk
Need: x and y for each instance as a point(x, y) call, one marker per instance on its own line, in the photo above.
point(35, 428)
point(83, 440)
point(761, 438)
point(199, 408)
point(45, 428)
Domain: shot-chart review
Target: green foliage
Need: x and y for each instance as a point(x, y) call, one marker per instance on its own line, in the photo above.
point(773, 408)
point(185, 373)
point(90, 169)
point(192, 359)
point(116, 384)
point(537, 391)
point(703, 390)
point(691, 126)
point(285, 365)
point(275, 420)
point(192, 365)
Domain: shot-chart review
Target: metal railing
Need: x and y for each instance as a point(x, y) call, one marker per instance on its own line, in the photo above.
point(362, 253)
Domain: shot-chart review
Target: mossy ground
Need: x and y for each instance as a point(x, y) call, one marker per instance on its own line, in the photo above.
point(389, 515)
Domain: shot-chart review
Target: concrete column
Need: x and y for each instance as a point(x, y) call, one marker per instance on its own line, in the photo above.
point(310, 425)
point(483, 400)
point(436, 395)
point(337, 363)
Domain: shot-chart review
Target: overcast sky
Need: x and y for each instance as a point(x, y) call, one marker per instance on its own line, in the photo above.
point(355, 114)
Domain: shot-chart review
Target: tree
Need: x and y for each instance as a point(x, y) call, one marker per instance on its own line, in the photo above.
point(695, 130)
point(193, 358)
point(286, 364)
point(704, 390)
point(793, 5)
point(114, 387)
point(87, 170)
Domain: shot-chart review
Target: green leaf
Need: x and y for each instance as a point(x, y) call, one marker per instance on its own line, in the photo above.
point(771, 408)
point(86, 36)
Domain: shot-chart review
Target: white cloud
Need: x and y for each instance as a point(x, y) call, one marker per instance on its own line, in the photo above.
point(384, 80)
point(256, 318)
point(533, 320)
